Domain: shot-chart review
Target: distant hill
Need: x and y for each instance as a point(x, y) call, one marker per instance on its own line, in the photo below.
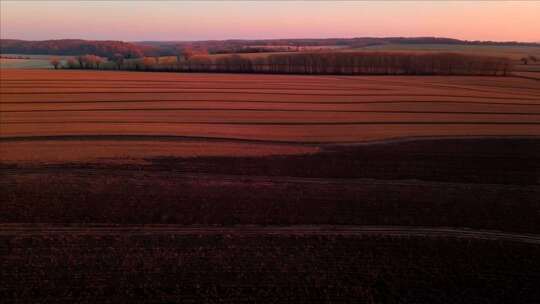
point(76, 47)
point(238, 45)
point(161, 48)
point(351, 42)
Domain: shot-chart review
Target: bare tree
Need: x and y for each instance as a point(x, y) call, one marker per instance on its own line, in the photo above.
point(98, 61)
point(118, 60)
point(187, 53)
point(81, 60)
point(71, 63)
point(89, 61)
point(200, 63)
point(55, 62)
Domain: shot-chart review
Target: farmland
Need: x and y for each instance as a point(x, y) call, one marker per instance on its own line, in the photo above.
point(513, 52)
point(265, 266)
point(381, 189)
point(24, 61)
point(266, 108)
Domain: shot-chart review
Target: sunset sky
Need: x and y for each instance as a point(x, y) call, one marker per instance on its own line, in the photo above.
point(184, 20)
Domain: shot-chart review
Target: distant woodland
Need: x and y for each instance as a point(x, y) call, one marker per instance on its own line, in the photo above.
point(341, 63)
point(75, 47)
point(168, 48)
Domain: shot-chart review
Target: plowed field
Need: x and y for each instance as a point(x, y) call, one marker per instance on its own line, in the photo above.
point(127, 187)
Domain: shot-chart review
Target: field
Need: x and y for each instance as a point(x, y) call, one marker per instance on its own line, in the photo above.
point(27, 61)
point(267, 266)
point(162, 187)
point(513, 52)
point(10, 63)
point(328, 109)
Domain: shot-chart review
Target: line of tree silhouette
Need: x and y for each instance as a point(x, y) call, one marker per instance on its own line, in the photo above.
point(317, 63)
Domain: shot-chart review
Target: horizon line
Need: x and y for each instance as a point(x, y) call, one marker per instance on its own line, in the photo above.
point(275, 39)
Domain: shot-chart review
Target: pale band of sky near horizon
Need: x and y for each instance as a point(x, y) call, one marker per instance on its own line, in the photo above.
point(218, 20)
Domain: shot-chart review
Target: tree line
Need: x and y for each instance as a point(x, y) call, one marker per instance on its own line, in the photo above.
point(339, 63)
point(74, 47)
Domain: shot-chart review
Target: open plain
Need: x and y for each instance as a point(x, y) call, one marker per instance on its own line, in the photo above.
point(230, 187)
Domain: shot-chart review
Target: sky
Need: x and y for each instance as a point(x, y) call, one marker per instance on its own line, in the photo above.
point(218, 20)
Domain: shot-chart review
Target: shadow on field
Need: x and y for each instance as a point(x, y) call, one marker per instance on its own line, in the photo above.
point(471, 183)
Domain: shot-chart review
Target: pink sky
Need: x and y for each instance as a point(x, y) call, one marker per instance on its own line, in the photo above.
point(184, 20)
